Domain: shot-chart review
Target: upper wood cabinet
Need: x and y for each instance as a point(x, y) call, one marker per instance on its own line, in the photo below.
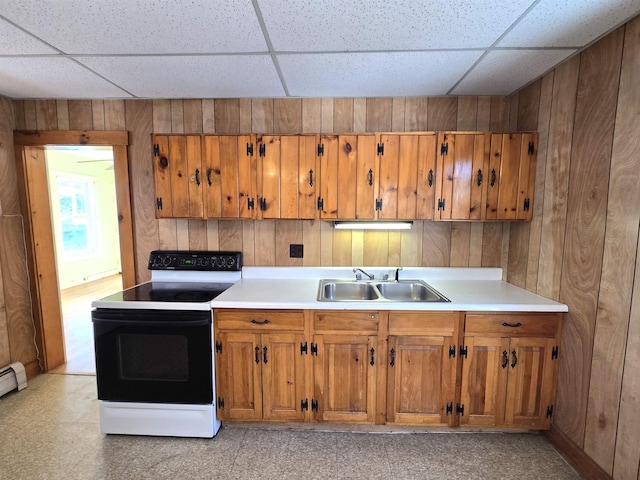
point(177, 166)
point(287, 176)
point(407, 176)
point(229, 164)
point(511, 176)
point(463, 159)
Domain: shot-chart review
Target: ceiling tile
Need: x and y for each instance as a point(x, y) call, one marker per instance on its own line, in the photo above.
point(501, 72)
point(140, 26)
point(14, 41)
point(348, 25)
point(52, 77)
point(201, 76)
point(374, 74)
point(563, 24)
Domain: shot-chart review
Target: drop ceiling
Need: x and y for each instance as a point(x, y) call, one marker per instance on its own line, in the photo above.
point(291, 48)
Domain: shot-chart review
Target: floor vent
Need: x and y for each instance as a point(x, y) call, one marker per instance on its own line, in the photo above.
point(11, 377)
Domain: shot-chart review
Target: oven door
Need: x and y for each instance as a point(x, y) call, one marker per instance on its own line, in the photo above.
point(157, 356)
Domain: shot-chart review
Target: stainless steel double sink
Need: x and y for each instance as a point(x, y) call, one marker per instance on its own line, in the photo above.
point(378, 291)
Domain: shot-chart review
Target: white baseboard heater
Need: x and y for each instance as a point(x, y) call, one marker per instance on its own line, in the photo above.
point(11, 377)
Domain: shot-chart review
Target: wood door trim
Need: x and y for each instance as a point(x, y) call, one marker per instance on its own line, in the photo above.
point(71, 137)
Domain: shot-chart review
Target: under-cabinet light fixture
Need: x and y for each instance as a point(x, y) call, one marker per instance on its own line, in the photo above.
point(373, 225)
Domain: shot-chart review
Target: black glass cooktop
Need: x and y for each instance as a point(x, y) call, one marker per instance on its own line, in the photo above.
point(170, 292)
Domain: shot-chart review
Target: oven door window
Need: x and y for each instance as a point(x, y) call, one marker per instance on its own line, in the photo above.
point(153, 356)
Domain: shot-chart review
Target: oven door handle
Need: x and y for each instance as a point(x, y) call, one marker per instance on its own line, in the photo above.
point(152, 323)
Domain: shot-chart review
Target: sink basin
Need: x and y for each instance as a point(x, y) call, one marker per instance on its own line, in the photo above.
point(358, 291)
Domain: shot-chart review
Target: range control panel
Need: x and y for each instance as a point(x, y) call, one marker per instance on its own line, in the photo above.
point(195, 260)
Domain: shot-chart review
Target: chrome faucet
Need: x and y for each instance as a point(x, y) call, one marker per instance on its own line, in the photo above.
point(359, 275)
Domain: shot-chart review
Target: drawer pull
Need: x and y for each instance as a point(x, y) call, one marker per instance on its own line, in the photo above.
point(515, 359)
point(264, 355)
point(505, 359)
point(512, 325)
point(260, 322)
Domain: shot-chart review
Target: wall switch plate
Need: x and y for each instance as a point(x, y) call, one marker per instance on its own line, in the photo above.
point(296, 250)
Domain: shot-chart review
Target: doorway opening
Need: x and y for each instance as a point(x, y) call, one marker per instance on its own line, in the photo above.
point(84, 216)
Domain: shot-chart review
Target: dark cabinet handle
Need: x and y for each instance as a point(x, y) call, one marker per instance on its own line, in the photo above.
point(430, 177)
point(493, 178)
point(197, 177)
point(512, 325)
point(311, 178)
point(209, 172)
point(257, 354)
point(260, 322)
point(392, 353)
point(479, 177)
point(373, 360)
point(370, 177)
point(515, 359)
point(264, 354)
point(505, 359)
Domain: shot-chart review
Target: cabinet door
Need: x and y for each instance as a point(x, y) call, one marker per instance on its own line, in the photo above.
point(345, 380)
point(484, 380)
point(282, 377)
point(178, 176)
point(407, 173)
point(461, 186)
point(531, 382)
point(229, 164)
point(269, 176)
point(420, 380)
point(238, 376)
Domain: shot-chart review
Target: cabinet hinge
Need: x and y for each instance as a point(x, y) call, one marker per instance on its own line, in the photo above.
point(320, 203)
point(444, 149)
point(452, 351)
point(304, 404)
point(262, 150)
point(441, 204)
point(221, 403)
point(531, 150)
point(526, 204)
point(321, 149)
point(554, 353)
point(449, 408)
point(156, 150)
point(251, 203)
point(303, 348)
point(218, 346)
point(463, 351)
point(263, 204)
point(249, 149)
point(314, 405)
point(378, 204)
point(549, 411)
point(159, 203)
point(380, 149)
point(459, 409)
point(314, 349)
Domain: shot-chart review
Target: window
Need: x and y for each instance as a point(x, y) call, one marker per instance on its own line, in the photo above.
point(76, 200)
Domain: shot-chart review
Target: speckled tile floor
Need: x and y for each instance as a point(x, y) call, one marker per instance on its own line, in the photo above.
point(51, 431)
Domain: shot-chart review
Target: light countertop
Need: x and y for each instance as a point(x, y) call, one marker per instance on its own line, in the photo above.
point(469, 289)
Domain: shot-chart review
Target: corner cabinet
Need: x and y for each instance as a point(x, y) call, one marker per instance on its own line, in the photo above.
point(509, 370)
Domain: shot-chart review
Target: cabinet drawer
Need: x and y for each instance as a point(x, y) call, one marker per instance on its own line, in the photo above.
point(525, 325)
point(422, 323)
point(340, 321)
point(258, 320)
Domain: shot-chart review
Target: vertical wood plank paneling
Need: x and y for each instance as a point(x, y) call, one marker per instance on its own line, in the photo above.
point(341, 247)
point(80, 115)
point(398, 114)
point(467, 114)
point(376, 247)
point(208, 116)
point(554, 198)
point(248, 241)
point(475, 244)
point(582, 262)
point(416, 114)
point(491, 245)
point(177, 116)
point(411, 246)
point(30, 116)
point(46, 115)
point(265, 243)
point(197, 234)
point(192, 114)
point(326, 242)
point(359, 114)
point(357, 247)
point(227, 116)
point(287, 232)
point(436, 244)
point(262, 115)
point(245, 115)
point(114, 116)
point(528, 107)
point(395, 248)
point(62, 108)
point(311, 239)
point(484, 114)
point(18, 114)
point(618, 262)
point(287, 115)
point(460, 238)
point(97, 110)
point(379, 113)
point(343, 115)
point(5, 355)
point(442, 113)
point(139, 122)
point(9, 199)
point(504, 253)
point(311, 115)
point(499, 116)
point(230, 235)
point(326, 111)
point(213, 241)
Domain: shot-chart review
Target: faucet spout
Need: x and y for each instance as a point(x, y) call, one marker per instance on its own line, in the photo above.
point(397, 272)
point(358, 276)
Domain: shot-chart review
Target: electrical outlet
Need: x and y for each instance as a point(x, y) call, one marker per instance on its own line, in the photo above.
point(296, 250)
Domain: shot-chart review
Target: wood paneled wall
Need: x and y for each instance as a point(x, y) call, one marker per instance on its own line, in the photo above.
point(582, 245)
